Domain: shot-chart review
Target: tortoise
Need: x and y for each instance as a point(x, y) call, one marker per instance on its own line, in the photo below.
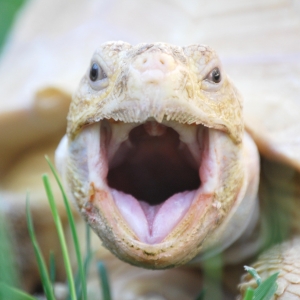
point(264, 80)
point(157, 160)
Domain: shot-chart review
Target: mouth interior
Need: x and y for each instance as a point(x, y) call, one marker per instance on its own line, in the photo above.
point(155, 165)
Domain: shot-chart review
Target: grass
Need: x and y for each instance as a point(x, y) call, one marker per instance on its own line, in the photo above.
point(8, 9)
point(9, 276)
point(47, 285)
point(77, 284)
point(73, 230)
point(61, 236)
point(104, 281)
point(265, 289)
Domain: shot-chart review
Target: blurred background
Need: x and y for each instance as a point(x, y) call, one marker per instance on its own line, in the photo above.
point(8, 10)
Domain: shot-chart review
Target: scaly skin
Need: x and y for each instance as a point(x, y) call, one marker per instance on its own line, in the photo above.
point(282, 258)
point(158, 87)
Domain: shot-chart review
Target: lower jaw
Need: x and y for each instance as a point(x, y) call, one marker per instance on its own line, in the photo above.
point(178, 247)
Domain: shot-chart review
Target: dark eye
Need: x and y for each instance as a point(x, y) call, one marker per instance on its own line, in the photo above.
point(214, 75)
point(96, 72)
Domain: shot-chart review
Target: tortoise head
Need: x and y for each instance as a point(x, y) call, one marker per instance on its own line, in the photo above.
point(155, 155)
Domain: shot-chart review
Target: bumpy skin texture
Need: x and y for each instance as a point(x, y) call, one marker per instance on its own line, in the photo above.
point(285, 259)
point(172, 86)
point(221, 110)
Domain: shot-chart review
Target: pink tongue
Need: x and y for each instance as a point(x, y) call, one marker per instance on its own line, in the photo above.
point(153, 223)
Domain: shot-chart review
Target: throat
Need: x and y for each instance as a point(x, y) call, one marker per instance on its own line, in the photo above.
point(154, 167)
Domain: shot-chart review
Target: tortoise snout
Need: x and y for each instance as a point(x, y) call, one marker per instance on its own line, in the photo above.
point(154, 66)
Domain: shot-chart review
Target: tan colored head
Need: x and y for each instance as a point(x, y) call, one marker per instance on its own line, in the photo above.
point(155, 153)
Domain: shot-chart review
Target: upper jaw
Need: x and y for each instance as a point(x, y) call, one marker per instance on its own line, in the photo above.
point(170, 92)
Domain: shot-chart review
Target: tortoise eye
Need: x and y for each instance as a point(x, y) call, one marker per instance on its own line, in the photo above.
point(214, 75)
point(97, 73)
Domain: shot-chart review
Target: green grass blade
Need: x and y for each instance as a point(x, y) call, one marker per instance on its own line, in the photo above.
point(104, 281)
point(249, 294)
point(52, 267)
point(73, 230)
point(266, 289)
point(89, 253)
point(8, 270)
point(254, 274)
point(7, 292)
point(201, 295)
point(61, 237)
point(9, 10)
point(88, 240)
point(78, 287)
point(212, 277)
point(87, 260)
point(48, 289)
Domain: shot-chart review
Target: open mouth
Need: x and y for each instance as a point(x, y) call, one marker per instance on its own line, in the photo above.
point(155, 165)
point(154, 172)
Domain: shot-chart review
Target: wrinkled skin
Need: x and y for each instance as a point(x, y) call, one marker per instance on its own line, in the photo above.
point(156, 157)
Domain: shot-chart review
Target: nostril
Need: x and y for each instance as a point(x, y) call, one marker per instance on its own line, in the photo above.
point(155, 61)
